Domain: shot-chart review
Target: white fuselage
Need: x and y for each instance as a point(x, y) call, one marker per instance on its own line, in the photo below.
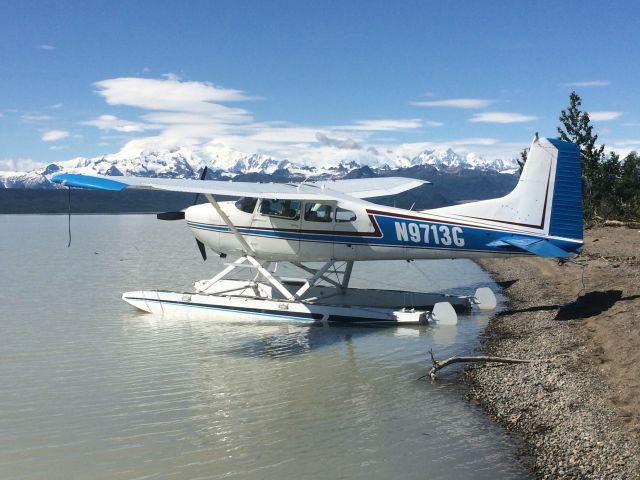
point(344, 231)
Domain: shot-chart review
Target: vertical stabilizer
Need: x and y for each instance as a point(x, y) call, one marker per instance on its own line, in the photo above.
point(547, 199)
point(566, 214)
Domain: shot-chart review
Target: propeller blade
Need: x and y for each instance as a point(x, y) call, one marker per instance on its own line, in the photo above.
point(203, 175)
point(201, 247)
point(170, 216)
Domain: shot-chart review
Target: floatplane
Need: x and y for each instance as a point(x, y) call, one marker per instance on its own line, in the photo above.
point(332, 222)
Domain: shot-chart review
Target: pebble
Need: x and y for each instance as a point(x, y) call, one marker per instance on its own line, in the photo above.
point(558, 407)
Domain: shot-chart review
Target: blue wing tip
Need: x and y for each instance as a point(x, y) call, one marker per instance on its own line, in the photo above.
point(87, 181)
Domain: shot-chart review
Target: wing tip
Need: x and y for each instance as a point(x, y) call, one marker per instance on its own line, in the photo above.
point(88, 181)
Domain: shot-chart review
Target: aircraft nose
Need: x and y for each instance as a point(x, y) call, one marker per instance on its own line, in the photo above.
point(202, 213)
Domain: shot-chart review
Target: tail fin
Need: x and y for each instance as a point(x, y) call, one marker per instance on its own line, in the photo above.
point(547, 199)
point(566, 211)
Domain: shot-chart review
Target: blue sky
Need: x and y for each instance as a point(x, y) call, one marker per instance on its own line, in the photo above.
point(317, 81)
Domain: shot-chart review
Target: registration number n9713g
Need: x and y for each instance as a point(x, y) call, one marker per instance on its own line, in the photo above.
point(429, 233)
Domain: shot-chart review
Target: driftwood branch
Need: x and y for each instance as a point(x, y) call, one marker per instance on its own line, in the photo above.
point(618, 223)
point(440, 364)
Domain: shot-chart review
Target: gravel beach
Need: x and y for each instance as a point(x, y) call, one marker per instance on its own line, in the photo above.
point(578, 414)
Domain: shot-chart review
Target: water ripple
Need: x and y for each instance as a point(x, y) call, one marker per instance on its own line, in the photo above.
point(93, 389)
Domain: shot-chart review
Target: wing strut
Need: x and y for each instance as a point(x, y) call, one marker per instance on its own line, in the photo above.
point(248, 250)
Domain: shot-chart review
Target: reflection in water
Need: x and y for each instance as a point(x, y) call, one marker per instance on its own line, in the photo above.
point(94, 389)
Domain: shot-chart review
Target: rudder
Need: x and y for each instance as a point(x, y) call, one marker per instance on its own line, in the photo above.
point(566, 212)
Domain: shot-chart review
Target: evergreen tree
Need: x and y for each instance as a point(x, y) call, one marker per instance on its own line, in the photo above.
point(629, 187)
point(523, 159)
point(607, 180)
point(576, 127)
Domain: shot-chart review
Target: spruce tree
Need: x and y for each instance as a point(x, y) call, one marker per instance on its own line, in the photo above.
point(608, 178)
point(629, 187)
point(523, 159)
point(576, 127)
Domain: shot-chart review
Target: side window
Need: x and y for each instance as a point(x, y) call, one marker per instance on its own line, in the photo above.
point(317, 212)
point(344, 215)
point(246, 204)
point(280, 208)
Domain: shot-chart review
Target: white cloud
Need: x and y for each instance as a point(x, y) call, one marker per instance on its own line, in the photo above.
point(56, 105)
point(19, 164)
point(54, 135)
point(473, 141)
point(588, 84)
point(168, 94)
point(44, 46)
point(456, 103)
point(111, 122)
point(604, 116)
point(35, 118)
point(341, 143)
point(632, 142)
point(501, 117)
point(624, 147)
point(219, 114)
point(387, 125)
point(284, 134)
point(196, 115)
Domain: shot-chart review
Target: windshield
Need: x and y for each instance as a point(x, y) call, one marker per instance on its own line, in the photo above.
point(246, 204)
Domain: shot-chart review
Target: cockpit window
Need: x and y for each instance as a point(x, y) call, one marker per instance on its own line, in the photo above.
point(317, 212)
point(280, 208)
point(344, 215)
point(246, 204)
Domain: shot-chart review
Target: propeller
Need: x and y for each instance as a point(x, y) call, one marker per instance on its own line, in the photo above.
point(203, 175)
point(180, 216)
point(203, 252)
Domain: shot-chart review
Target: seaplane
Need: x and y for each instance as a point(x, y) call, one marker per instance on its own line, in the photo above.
point(332, 224)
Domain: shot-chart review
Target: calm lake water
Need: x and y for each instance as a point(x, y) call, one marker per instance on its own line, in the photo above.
point(92, 389)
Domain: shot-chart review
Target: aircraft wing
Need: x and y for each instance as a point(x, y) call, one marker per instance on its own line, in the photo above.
point(322, 190)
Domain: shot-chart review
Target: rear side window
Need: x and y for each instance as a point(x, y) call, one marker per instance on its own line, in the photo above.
point(317, 212)
point(280, 208)
point(246, 204)
point(344, 215)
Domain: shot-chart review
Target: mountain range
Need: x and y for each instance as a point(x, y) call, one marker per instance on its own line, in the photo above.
point(225, 164)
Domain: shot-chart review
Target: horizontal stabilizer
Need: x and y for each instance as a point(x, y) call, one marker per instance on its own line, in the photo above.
point(537, 246)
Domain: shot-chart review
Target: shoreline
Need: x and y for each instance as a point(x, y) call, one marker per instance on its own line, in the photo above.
point(578, 415)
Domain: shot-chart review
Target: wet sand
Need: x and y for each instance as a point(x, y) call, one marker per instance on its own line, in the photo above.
point(579, 414)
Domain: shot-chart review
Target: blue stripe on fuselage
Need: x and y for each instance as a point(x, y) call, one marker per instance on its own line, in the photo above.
point(402, 232)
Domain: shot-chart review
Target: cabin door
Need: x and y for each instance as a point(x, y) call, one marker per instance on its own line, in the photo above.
point(276, 227)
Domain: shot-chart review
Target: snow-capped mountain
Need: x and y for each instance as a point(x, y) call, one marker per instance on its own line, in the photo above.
point(446, 160)
point(225, 162)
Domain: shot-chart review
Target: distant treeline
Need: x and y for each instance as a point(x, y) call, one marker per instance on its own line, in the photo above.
point(23, 200)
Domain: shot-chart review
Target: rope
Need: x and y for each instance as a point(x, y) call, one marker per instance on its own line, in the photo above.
point(69, 217)
point(583, 267)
